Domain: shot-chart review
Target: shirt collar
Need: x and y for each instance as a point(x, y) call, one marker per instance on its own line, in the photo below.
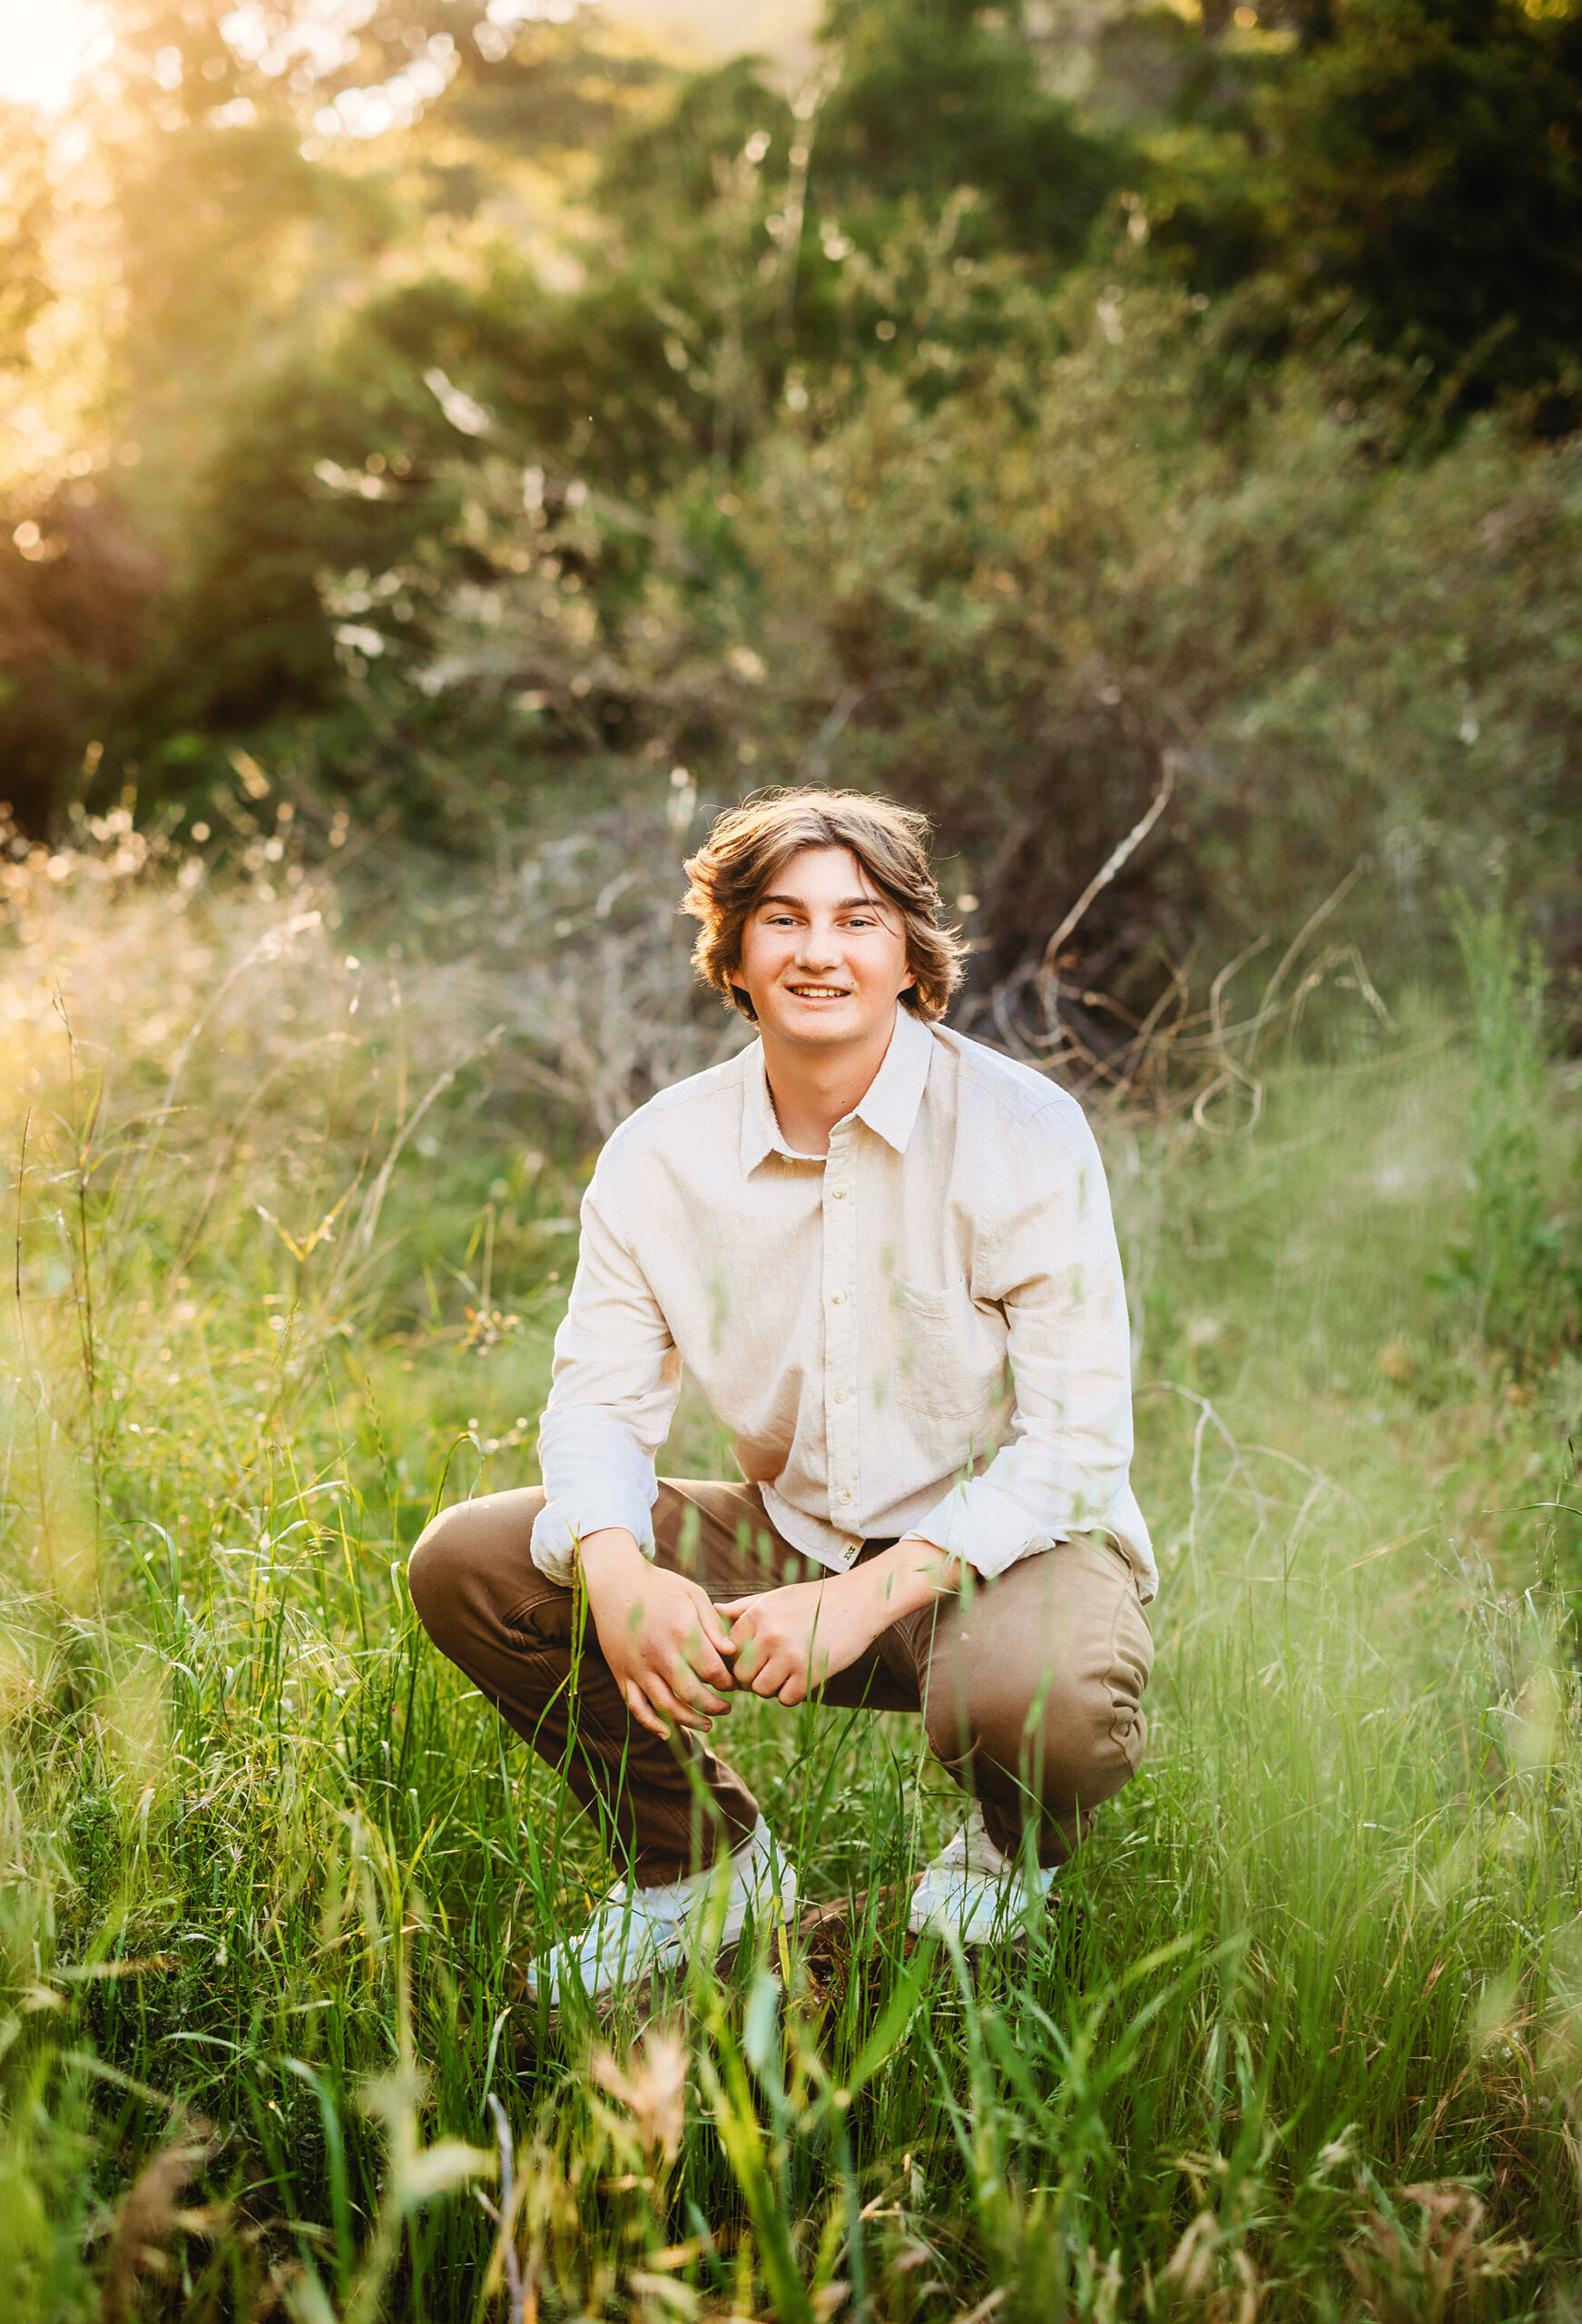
point(890, 1104)
point(889, 1107)
point(760, 1129)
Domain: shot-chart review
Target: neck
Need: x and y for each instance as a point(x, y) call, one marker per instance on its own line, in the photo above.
point(812, 1090)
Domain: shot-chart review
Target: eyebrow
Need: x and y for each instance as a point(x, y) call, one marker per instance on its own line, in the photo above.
point(847, 904)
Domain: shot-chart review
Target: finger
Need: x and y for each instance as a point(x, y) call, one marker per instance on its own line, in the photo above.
point(807, 1672)
point(734, 1607)
point(712, 1625)
point(750, 1660)
point(670, 1706)
point(790, 1668)
point(776, 1669)
point(637, 1704)
point(688, 1688)
point(700, 1658)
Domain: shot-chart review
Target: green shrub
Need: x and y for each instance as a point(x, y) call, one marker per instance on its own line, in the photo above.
point(1517, 1271)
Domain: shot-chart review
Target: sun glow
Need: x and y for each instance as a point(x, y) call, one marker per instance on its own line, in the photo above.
point(44, 44)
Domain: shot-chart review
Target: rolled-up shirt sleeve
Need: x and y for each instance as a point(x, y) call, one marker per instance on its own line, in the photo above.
point(1049, 1260)
point(616, 1378)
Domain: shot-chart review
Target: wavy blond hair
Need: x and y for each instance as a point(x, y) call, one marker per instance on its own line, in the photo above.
point(747, 846)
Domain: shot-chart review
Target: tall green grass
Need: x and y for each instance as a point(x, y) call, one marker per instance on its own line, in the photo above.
point(1303, 2036)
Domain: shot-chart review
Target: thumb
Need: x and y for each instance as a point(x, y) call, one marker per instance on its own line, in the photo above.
point(713, 1628)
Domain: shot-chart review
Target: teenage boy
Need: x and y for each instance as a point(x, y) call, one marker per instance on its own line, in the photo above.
point(885, 1254)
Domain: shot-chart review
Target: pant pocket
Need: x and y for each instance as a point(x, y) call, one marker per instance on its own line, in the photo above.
point(548, 1617)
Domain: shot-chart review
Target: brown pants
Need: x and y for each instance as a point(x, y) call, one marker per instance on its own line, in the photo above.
point(1029, 1686)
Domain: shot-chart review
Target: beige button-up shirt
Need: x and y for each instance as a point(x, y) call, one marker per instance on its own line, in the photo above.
point(924, 1332)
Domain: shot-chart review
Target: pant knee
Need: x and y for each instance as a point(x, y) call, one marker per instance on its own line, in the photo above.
point(1066, 1746)
point(1088, 1737)
point(1086, 1747)
point(440, 1569)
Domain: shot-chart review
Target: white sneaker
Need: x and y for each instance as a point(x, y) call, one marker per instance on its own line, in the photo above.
point(641, 1930)
point(972, 1888)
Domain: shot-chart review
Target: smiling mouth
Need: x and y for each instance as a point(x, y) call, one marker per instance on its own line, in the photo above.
point(822, 991)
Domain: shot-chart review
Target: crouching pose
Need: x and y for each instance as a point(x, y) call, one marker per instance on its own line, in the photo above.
point(885, 1253)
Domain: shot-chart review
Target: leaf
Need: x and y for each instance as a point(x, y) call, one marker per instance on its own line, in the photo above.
point(898, 2016)
point(435, 2170)
point(307, 2301)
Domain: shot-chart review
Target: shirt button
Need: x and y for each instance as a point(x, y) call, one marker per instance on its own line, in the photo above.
point(839, 1395)
point(838, 1194)
point(845, 1496)
point(836, 1297)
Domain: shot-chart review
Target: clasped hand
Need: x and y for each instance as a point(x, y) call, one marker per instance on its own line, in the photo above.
point(677, 1658)
point(789, 1640)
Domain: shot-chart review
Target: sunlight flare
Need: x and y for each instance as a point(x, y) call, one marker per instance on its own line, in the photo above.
point(41, 51)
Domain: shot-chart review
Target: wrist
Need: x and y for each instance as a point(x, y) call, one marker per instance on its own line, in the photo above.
point(911, 1574)
point(608, 1554)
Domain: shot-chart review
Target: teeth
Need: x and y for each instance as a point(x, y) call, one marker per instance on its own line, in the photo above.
point(819, 991)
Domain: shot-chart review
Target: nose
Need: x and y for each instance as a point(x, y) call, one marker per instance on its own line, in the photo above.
point(819, 948)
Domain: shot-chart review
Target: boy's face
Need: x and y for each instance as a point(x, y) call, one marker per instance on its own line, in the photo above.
point(823, 953)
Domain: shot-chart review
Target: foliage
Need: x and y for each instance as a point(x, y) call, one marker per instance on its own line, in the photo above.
point(981, 582)
point(24, 289)
point(1420, 153)
point(963, 70)
point(1519, 1270)
point(1221, 294)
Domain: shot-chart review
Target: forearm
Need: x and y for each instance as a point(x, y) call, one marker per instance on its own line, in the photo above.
point(613, 1574)
point(615, 1381)
point(911, 1574)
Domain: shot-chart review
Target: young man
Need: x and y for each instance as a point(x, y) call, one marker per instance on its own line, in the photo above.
point(886, 1254)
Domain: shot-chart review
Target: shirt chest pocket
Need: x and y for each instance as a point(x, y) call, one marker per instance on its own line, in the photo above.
point(944, 1362)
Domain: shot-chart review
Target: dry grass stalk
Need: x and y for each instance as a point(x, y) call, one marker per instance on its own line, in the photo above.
point(1422, 2280)
point(149, 2218)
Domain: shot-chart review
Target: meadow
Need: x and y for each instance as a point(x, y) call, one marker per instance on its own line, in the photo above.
point(290, 1206)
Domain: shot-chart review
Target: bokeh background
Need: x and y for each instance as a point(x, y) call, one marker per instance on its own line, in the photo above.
point(444, 413)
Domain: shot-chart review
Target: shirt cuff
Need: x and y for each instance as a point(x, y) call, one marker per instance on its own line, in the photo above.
point(560, 1525)
point(990, 1528)
point(955, 1527)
